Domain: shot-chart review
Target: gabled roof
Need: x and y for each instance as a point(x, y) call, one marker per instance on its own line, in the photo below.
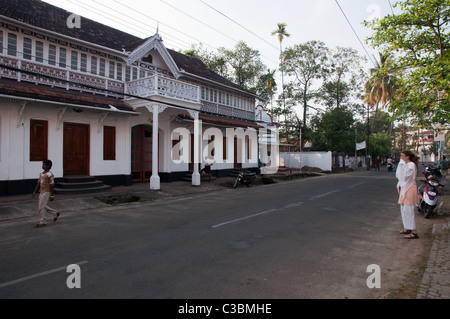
point(154, 43)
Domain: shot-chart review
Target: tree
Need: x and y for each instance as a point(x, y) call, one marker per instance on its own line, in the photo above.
point(343, 77)
point(245, 64)
point(419, 39)
point(267, 86)
point(305, 62)
point(281, 34)
point(334, 131)
point(214, 61)
point(382, 84)
point(380, 144)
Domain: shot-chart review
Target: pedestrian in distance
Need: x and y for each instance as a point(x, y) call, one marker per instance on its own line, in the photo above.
point(46, 188)
point(444, 167)
point(377, 163)
point(407, 189)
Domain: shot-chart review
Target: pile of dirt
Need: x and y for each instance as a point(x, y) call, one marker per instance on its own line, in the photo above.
point(311, 169)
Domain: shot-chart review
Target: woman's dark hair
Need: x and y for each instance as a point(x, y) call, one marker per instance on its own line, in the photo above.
point(412, 157)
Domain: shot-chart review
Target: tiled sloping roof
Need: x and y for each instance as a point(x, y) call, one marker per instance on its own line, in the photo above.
point(197, 67)
point(222, 120)
point(46, 16)
point(47, 93)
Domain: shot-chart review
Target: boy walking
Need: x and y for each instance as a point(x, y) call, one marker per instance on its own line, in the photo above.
point(46, 186)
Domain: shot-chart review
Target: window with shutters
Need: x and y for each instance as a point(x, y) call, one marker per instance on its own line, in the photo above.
point(38, 140)
point(62, 57)
point(12, 44)
point(27, 48)
point(51, 54)
point(74, 60)
point(109, 143)
point(83, 62)
point(39, 54)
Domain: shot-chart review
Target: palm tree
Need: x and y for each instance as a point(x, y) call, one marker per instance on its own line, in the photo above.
point(382, 84)
point(282, 33)
point(271, 85)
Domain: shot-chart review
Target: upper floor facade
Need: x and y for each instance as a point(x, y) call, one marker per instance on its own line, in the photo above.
point(97, 59)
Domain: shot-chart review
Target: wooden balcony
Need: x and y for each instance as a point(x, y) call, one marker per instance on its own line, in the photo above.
point(38, 73)
point(159, 86)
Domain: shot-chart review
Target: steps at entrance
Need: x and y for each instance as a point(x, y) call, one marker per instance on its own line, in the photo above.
point(80, 185)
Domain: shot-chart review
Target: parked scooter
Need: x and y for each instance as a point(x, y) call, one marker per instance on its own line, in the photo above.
point(244, 178)
point(428, 194)
point(434, 172)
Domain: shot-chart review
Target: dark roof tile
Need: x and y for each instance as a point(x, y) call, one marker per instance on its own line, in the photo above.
point(46, 16)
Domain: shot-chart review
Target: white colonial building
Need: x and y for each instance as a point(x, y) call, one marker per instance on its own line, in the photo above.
point(103, 103)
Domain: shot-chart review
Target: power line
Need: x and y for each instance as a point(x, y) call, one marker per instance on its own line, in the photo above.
point(89, 8)
point(132, 26)
point(367, 53)
point(262, 39)
point(190, 16)
point(121, 20)
point(390, 5)
point(162, 23)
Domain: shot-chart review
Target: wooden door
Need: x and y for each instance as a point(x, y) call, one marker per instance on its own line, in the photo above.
point(237, 153)
point(141, 153)
point(76, 149)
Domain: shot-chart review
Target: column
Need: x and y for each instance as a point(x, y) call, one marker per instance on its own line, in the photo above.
point(196, 180)
point(154, 179)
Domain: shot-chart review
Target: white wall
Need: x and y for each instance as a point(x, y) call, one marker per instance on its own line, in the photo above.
point(15, 161)
point(322, 160)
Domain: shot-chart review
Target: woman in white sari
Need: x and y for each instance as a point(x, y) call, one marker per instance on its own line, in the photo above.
point(407, 189)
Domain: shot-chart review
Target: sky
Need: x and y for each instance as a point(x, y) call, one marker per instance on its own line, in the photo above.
point(218, 23)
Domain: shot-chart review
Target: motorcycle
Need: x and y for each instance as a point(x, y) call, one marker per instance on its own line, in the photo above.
point(390, 167)
point(244, 178)
point(428, 193)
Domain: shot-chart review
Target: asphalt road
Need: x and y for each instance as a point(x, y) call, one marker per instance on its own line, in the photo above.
point(307, 238)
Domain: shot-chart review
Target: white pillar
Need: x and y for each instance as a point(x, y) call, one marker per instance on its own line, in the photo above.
point(154, 179)
point(196, 180)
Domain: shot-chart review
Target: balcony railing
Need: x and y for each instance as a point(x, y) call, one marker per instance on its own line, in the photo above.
point(59, 77)
point(152, 86)
point(161, 86)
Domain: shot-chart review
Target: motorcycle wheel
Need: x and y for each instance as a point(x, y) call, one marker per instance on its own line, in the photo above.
point(236, 182)
point(428, 211)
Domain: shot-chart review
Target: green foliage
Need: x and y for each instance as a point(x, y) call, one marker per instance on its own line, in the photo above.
point(334, 131)
point(419, 40)
point(305, 64)
point(245, 64)
point(380, 144)
point(241, 65)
